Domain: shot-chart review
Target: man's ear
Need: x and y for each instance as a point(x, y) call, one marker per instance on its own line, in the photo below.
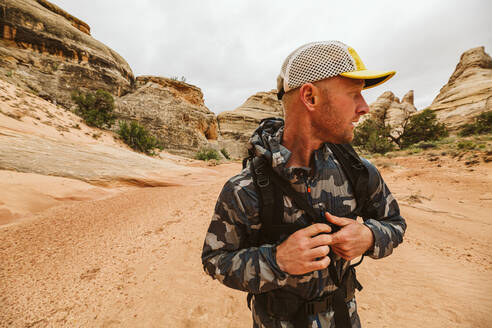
point(308, 93)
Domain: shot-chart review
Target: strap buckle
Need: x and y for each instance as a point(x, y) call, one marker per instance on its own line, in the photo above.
point(317, 306)
point(262, 179)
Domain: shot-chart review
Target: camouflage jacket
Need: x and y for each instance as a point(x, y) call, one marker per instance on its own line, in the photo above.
point(227, 252)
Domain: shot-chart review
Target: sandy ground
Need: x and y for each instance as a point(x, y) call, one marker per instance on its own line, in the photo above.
point(133, 259)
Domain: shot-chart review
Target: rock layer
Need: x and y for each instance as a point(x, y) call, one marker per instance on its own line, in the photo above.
point(174, 111)
point(392, 111)
point(50, 52)
point(468, 91)
point(38, 137)
point(237, 126)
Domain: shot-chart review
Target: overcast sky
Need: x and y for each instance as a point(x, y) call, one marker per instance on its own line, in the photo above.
point(232, 49)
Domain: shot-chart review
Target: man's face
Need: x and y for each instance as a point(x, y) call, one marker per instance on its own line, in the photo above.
point(341, 105)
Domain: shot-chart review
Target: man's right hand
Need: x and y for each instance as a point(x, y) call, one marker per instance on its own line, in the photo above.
point(305, 250)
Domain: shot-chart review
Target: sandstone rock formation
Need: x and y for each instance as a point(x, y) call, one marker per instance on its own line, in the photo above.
point(50, 52)
point(38, 137)
point(173, 110)
point(393, 111)
point(468, 91)
point(237, 126)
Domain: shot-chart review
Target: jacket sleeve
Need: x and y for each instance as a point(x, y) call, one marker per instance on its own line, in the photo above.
point(384, 219)
point(227, 255)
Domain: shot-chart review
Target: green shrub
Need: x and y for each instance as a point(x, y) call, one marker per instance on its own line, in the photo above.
point(466, 145)
point(422, 127)
point(225, 153)
point(413, 150)
point(138, 138)
point(482, 125)
point(207, 154)
point(96, 108)
point(373, 137)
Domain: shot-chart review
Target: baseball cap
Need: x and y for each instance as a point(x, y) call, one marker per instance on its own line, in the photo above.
point(319, 60)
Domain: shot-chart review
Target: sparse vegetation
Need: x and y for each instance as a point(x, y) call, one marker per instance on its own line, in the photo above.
point(207, 154)
point(373, 136)
point(9, 74)
point(482, 125)
point(466, 145)
point(138, 138)
point(96, 108)
point(175, 78)
point(423, 129)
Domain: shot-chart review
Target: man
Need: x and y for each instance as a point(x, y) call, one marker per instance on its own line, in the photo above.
point(303, 278)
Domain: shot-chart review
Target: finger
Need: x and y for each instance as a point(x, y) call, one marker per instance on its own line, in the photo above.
point(346, 255)
point(316, 229)
point(322, 239)
point(319, 264)
point(318, 252)
point(337, 238)
point(337, 220)
point(337, 250)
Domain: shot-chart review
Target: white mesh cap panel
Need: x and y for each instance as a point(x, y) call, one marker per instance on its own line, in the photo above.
point(316, 61)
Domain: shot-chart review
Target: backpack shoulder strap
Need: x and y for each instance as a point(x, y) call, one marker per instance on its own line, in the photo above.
point(372, 186)
point(356, 171)
point(271, 205)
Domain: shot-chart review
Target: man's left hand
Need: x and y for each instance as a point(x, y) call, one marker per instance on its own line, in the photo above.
point(352, 240)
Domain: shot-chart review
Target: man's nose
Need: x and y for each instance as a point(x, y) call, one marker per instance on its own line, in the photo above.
point(362, 107)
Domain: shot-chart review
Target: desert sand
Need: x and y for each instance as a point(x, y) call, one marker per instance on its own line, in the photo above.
point(132, 258)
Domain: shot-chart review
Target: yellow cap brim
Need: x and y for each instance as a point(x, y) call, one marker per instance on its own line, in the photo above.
point(372, 78)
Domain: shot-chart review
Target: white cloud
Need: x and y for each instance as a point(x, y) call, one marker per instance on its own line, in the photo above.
point(232, 49)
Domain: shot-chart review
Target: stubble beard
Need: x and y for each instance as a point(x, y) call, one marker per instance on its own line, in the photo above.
point(331, 129)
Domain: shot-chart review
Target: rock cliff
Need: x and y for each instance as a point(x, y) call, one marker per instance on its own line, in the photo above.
point(468, 91)
point(173, 110)
point(40, 137)
point(393, 111)
point(48, 51)
point(237, 126)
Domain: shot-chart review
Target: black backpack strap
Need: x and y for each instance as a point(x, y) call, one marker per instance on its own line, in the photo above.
point(355, 171)
point(271, 204)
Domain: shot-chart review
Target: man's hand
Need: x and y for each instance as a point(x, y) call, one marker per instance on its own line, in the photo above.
point(352, 240)
point(305, 250)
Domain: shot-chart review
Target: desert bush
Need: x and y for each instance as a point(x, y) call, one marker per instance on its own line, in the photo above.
point(466, 145)
point(96, 108)
point(138, 138)
point(482, 125)
point(207, 154)
point(373, 137)
point(413, 151)
point(422, 127)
